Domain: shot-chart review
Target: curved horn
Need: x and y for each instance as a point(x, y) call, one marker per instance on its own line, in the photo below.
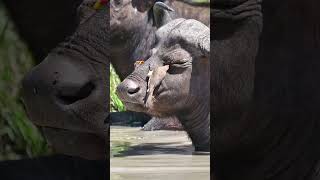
point(161, 13)
point(195, 34)
point(204, 43)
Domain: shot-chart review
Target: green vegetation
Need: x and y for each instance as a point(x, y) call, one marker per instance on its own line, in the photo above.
point(115, 103)
point(18, 136)
point(118, 148)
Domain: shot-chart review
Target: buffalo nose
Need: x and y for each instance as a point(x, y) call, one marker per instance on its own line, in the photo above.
point(58, 79)
point(128, 87)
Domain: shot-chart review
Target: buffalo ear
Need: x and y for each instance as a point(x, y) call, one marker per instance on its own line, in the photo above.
point(161, 14)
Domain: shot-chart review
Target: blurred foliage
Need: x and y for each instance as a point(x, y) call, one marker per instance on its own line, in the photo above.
point(115, 103)
point(19, 138)
point(118, 148)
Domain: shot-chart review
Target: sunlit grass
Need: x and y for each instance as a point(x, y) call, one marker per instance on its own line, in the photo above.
point(115, 103)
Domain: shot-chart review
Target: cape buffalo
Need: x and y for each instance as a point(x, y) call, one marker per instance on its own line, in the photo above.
point(174, 81)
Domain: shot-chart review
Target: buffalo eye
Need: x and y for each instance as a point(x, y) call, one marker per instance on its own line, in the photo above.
point(177, 68)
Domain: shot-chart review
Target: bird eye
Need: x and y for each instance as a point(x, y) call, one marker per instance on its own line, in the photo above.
point(117, 2)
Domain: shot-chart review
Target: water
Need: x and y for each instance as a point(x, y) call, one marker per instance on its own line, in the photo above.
point(155, 155)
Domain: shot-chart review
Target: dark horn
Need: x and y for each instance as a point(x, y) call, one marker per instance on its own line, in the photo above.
point(161, 13)
point(204, 43)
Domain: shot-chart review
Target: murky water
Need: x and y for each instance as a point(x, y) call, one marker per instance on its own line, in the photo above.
point(155, 155)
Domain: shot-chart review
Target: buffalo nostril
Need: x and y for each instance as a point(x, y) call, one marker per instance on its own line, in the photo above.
point(74, 94)
point(132, 87)
point(133, 90)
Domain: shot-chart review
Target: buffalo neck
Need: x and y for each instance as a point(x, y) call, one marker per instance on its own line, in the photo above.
point(196, 121)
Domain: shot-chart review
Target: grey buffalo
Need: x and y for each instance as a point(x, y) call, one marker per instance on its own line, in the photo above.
point(174, 81)
point(133, 36)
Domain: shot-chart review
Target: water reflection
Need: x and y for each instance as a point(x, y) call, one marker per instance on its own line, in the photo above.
point(156, 155)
